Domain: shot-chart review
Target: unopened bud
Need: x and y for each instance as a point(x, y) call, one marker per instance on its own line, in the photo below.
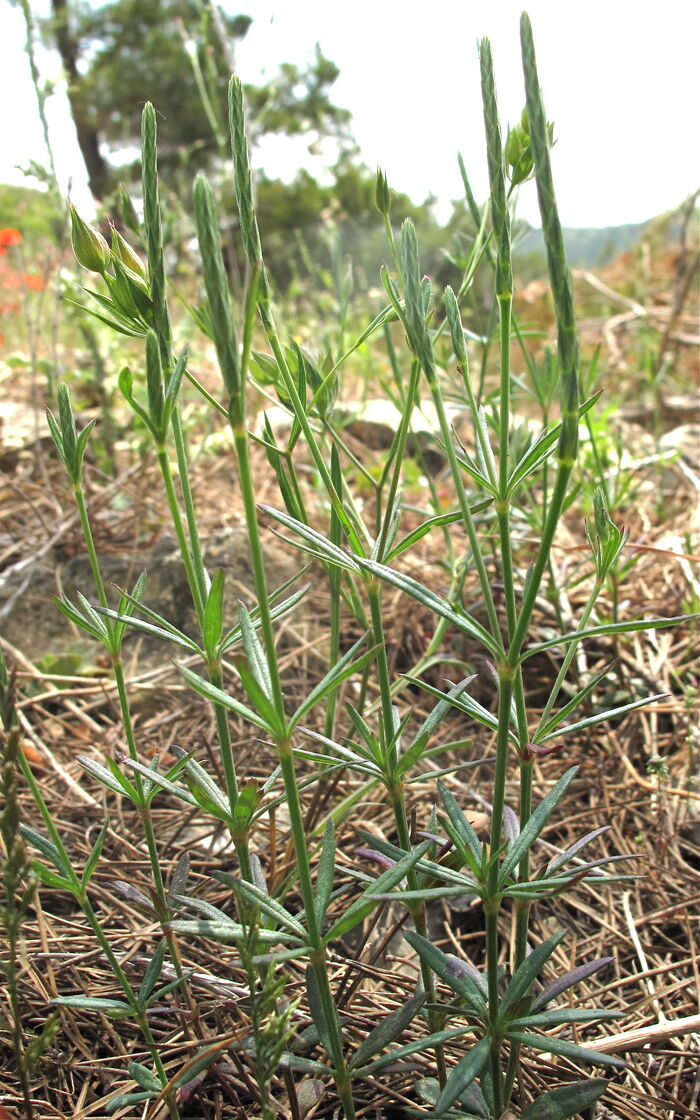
point(603, 523)
point(381, 194)
point(122, 251)
point(518, 149)
point(518, 153)
point(90, 248)
point(128, 210)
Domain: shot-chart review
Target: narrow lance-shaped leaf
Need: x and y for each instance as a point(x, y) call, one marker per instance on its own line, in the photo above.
point(389, 1029)
point(264, 707)
point(570, 852)
point(114, 1008)
point(563, 1016)
point(218, 696)
point(227, 931)
point(535, 824)
point(428, 728)
point(460, 822)
point(126, 388)
point(359, 910)
point(247, 802)
point(213, 627)
point(335, 676)
point(547, 726)
point(566, 1101)
point(550, 1045)
point(216, 283)
point(96, 630)
point(422, 1043)
point(144, 1077)
point(562, 983)
point(261, 899)
point(602, 717)
point(462, 1076)
point(463, 703)
point(316, 543)
point(92, 860)
point(527, 972)
point(326, 867)
point(459, 981)
point(48, 849)
point(608, 629)
point(316, 1009)
point(459, 619)
point(153, 971)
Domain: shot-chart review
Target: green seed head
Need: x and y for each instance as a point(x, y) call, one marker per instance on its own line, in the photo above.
point(90, 248)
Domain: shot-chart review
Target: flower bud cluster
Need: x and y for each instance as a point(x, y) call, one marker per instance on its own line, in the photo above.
point(520, 163)
point(123, 271)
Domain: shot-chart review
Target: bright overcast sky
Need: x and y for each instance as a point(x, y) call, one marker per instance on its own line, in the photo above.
point(620, 81)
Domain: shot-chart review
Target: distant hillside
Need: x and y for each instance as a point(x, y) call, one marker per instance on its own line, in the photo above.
point(585, 247)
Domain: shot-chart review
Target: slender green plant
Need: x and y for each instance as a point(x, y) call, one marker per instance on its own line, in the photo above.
point(20, 885)
point(494, 582)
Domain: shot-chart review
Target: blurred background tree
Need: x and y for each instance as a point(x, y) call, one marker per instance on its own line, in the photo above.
point(179, 54)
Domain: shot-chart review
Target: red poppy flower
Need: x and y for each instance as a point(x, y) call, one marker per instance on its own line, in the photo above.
point(35, 284)
point(8, 237)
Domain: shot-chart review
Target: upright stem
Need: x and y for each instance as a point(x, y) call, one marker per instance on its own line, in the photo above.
point(317, 954)
point(79, 495)
point(80, 894)
point(284, 752)
point(193, 579)
point(183, 473)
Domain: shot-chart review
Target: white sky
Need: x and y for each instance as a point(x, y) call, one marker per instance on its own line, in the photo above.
point(620, 82)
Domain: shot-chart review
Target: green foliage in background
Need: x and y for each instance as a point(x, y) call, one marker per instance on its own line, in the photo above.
point(34, 213)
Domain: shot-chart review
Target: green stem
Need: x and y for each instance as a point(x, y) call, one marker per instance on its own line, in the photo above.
point(284, 752)
point(188, 502)
point(335, 576)
point(215, 674)
point(240, 439)
point(474, 543)
point(79, 495)
point(138, 781)
point(397, 796)
point(535, 576)
point(569, 656)
point(194, 570)
point(193, 579)
point(419, 915)
point(317, 955)
point(80, 894)
point(492, 951)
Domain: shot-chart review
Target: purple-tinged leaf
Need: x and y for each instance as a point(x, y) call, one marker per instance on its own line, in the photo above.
point(564, 857)
point(459, 967)
point(551, 991)
point(511, 824)
point(548, 1045)
point(566, 1101)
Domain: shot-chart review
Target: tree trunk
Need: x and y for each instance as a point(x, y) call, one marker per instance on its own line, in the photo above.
point(99, 176)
